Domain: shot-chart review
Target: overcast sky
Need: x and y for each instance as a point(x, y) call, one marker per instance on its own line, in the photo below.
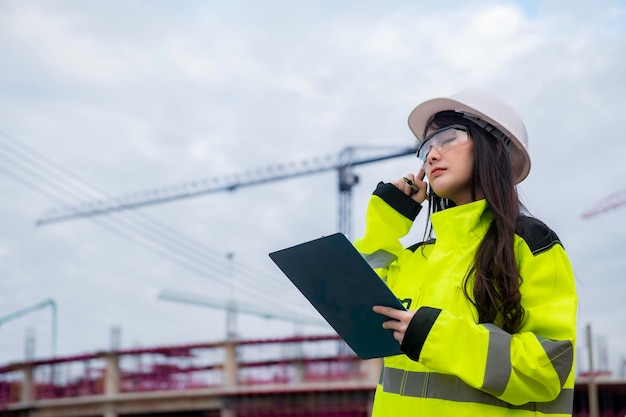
point(110, 98)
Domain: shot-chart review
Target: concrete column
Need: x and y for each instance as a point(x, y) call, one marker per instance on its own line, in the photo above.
point(110, 411)
point(111, 383)
point(373, 368)
point(230, 364)
point(112, 376)
point(225, 412)
point(299, 370)
point(27, 385)
point(370, 404)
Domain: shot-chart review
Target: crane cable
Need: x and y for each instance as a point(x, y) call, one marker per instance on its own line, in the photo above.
point(189, 251)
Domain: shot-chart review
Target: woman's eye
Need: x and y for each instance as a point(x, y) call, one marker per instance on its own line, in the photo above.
point(447, 142)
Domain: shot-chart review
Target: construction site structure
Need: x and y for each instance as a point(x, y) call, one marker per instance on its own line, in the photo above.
point(295, 376)
point(31, 309)
point(301, 376)
point(343, 163)
point(608, 203)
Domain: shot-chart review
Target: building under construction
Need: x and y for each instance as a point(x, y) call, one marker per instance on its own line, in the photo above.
point(304, 376)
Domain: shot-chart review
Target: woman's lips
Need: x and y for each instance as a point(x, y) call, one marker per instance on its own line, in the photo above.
point(436, 171)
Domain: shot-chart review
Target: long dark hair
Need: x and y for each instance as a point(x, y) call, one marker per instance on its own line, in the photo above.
point(496, 291)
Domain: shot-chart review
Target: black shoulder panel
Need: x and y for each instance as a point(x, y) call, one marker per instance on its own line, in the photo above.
point(536, 234)
point(413, 248)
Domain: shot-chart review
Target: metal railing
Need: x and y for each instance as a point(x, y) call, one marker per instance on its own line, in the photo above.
point(294, 360)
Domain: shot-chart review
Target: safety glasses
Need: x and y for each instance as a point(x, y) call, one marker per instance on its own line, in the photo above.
point(443, 140)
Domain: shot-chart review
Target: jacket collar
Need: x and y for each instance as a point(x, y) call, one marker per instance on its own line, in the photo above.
point(462, 225)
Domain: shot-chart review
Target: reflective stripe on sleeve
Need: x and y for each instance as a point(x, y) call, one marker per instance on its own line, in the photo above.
point(561, 354)
point(451, 388)
point(498, 369)
point(379, 259)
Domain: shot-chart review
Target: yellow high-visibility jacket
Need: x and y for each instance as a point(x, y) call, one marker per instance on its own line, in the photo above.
point(454, 366)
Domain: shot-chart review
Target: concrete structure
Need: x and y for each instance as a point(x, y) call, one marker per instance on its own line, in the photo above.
point(315, 376)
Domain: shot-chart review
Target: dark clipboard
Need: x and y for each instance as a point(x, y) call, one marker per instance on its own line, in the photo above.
point(343, 288)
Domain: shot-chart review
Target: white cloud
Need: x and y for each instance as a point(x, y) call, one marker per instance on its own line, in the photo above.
point(59, 48)
point(499, 21)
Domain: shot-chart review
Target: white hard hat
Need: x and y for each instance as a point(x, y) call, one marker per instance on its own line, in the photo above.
point(487, 111)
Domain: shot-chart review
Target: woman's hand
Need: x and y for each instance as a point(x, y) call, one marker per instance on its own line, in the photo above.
point(400, 322)
point(418, 181)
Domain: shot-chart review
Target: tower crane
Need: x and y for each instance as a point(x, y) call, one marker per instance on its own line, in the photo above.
point(343, 163)
point(610, 202)
point(22, 312)
point(247, 308)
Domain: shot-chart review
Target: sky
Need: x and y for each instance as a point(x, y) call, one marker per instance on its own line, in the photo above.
point(114, 98)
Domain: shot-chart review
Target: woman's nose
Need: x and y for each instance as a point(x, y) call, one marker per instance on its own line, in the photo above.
point(433, 155)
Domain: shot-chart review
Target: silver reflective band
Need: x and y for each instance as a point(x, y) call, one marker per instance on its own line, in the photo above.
point(498, 369)
point(443, 139)
point(452, 388)
point(379, 259)
point(561, 354)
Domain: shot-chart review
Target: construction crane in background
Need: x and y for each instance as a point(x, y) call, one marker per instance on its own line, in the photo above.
point(233, 307)
point(608, 203)
point(24, 311)
point(343, 163)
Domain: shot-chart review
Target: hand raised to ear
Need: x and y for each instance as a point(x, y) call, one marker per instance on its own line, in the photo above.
point(410, 182)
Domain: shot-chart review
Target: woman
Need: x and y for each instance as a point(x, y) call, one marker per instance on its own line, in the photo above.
point(490, 323)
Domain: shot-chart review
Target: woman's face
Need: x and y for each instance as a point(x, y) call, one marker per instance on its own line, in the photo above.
point(450, 169)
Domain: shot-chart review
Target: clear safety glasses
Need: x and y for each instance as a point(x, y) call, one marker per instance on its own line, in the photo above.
point(443, 140)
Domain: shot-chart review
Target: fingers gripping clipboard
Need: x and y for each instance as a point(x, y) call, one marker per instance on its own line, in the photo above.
point(343, 288)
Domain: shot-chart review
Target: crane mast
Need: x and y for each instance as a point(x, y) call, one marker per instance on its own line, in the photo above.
point(343, 162)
